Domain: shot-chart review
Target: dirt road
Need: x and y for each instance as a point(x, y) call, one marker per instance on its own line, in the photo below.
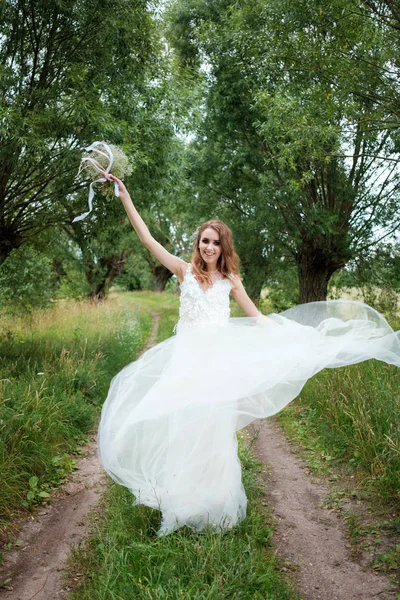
point(37, 565)
point(309, 536)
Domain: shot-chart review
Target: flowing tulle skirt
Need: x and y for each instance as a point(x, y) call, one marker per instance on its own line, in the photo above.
point(168, 426)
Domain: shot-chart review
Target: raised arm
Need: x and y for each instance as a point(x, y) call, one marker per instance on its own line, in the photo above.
point(173, 263)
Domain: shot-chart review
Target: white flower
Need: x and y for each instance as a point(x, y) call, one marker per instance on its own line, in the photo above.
point(105, 158)
point(120, 167)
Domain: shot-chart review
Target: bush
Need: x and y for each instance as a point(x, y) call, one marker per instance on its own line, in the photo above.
point(26, 281)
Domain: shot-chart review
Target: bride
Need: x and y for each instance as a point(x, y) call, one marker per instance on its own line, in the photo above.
point(168, 426)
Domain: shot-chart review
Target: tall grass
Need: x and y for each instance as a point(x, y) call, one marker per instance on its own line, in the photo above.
point(355, 413)
point(167, 306)
point(55, 372)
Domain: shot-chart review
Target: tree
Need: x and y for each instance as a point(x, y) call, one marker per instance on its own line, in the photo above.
point(105, 238)
point(69, 73)
point(26, 281)
point(295, 122)
point(224, 185)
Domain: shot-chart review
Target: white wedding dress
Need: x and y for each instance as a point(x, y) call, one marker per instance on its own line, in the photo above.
point(168, 426)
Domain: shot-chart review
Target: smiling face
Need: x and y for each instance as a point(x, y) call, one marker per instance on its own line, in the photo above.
point(210, 248)
point(213, 250)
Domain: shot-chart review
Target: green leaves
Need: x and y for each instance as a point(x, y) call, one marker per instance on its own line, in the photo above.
point(303, 97)
point(69, 74)
point(36, 495)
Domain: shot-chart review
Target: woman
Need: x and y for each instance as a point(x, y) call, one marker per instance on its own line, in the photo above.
point(168, 426)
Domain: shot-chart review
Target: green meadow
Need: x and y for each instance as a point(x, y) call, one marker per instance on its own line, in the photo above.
point(56, 368)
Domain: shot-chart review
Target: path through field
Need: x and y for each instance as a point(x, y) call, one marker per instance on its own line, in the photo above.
point(37, 565)
point(308, 536)
point(35, 568)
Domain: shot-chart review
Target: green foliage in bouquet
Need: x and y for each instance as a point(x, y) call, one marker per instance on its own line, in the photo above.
point(97, 161)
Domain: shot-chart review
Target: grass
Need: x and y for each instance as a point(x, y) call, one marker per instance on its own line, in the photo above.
point(125, 560)
point(167, 305)
point(354, 416)
point(56, 369)
point(351, 416)
point(346, 424)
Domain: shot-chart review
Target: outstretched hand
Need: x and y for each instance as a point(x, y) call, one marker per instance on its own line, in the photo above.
point(123, 192)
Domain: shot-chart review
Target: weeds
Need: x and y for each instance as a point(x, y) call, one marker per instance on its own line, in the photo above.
point(55, 374)
point(388, 561)
point(35, 494)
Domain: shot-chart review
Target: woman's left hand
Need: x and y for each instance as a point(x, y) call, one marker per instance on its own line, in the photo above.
point(123, 192)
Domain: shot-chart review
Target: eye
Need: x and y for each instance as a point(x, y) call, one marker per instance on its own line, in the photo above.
point(204, 241)
point(216, 243)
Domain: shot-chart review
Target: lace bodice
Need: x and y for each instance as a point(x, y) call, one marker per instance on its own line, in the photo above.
point(200, 307)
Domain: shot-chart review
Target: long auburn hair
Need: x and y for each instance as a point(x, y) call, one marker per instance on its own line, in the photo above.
point(228, 260)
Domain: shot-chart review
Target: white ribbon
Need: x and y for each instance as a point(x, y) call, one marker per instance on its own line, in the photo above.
point(88, 159)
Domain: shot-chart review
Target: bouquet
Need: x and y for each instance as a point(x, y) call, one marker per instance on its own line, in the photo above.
point(101, 158)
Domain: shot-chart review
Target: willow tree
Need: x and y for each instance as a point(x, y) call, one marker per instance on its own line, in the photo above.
point(295, 123)
point(70, 72)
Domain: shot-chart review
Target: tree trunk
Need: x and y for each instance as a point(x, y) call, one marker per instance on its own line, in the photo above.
point(4, 255)
point(161, 276)
point(10, 239)
point(254, 285)
point(100, 291)
point(315, 268)
point(110, 268)
point(313, 285)
point(58, 270)
point(256, 265)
